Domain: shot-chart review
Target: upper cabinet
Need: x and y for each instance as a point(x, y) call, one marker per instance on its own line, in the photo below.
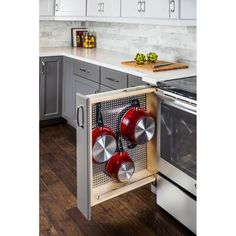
point(188, 9)
point(70, 7)
point(146, 9)
point(46, 7)
point(106, 8)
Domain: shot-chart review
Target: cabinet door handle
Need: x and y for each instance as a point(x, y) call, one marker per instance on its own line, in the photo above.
point(102, 10)
point(80, 124)
point(143, 5)
point(139, 6)
point(112, 79)
point(43, 68)
point(99, 7)
point(84, 70)
point(172, 5)
point(56, 7)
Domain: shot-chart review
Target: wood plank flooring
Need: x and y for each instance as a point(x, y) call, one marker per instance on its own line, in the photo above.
point(134, 213)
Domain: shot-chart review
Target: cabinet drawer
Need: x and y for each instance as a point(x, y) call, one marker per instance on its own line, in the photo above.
point(114, 79)
point(94, 186)
point(104, 89)
point(135, 81)
point(86, 70)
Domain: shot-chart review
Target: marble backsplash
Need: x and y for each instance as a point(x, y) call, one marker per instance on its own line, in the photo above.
point(176, 43)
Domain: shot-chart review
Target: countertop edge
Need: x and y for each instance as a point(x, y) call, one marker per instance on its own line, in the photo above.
point(148, 78)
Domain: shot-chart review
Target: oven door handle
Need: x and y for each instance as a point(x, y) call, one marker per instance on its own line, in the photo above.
point(188, 107)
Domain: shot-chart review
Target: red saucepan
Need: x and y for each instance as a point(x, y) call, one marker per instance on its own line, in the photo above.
point(137, 126)
point(120, 167)
point(103, 140)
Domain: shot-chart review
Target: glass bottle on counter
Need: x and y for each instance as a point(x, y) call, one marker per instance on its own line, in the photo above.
point(89, 39)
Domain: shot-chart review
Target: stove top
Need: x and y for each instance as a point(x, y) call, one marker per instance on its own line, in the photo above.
point(184, 87)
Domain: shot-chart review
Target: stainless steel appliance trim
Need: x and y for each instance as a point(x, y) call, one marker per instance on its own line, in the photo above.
point(178, 176)
point(168, 169)
point(177, 101)
point(176, 202)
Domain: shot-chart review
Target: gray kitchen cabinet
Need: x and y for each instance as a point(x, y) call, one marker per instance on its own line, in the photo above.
point(67, 90)
point(104, 89)
point(113, 79)
point(86, 70)
point(84, 87)
point(50, 87)
point(135, 81)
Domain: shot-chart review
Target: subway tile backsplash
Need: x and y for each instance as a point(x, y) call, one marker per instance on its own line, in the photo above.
point(176, 43)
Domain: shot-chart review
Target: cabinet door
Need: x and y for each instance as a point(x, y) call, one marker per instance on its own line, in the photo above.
point(106, 8)
point(93, 185)
point(188, 9)
point(155, 8)
point(131, 8)
point(146, 9)
point(67, 92)
point(46, 7)
point(84, 87)
point(134, 81)
point(70, 7)
point(111, 8)
point(50, 87)
point(94, 7)
point(104, 89)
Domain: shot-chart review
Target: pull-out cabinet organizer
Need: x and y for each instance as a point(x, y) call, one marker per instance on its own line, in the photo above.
point(93, 184)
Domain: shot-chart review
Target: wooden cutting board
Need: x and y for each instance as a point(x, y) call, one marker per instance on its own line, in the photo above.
point(148, 66)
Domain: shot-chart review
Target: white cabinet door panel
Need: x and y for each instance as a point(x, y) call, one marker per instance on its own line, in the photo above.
point(93, 8)
point(188, 9)
point(156, 8)
point(130, 8)
point(106, 8)
point(111, 8)
point(70, 7)
point(145, 9)
point(46, 7)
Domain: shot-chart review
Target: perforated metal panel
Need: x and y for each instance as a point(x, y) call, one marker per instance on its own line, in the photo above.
point(110, 111)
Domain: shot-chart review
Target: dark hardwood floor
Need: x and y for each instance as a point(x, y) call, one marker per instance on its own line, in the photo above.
point(134, 213)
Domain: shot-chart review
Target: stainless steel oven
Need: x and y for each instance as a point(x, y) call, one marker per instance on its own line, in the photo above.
point(176, 129)
point(177, 135)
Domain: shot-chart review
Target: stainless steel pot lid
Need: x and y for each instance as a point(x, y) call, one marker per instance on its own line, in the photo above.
point(144, 130)
point(104, 148)
point(125, 171)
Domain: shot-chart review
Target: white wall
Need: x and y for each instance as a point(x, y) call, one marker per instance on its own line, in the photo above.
point(176, 43)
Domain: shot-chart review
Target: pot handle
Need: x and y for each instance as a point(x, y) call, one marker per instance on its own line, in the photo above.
point(99, 118)
point(119, 142)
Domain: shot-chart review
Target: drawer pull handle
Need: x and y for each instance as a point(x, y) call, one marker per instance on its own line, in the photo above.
point(113, 80)
point(80, 124)
point(84, 70)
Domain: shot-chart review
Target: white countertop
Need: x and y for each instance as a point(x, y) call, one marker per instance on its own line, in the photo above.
point(112, 60)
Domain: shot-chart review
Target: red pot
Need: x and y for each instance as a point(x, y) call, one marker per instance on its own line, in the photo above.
point(120, 167)
point(104, 144)
point(137, 126)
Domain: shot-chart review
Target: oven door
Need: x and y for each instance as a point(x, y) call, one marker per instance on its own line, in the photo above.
point(177, 146)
